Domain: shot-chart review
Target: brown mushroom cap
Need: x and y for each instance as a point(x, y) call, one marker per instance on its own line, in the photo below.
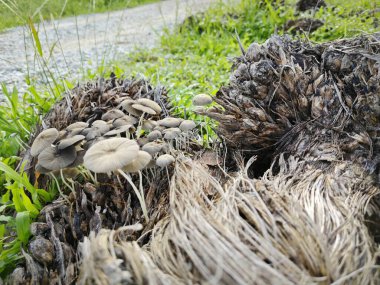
point(165, 160)
point(112, 114)
point(202, 100)
point(144, 109)
point(170, 122)
point(43, 140)
point(187, 125)
point(143, 158)
point(54, 159)
point(150, 103)
point(65, 143)
point(111, 154)
point(76, 125)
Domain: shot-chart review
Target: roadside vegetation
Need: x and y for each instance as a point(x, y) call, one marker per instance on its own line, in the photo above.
point(193, 58)
point(17, 12)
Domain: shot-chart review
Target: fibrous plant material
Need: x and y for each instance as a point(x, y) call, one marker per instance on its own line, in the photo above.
point(244, 231)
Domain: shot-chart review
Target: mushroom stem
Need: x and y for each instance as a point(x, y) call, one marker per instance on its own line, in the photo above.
point(139, 126)
point(139, 196)
point(67, 184)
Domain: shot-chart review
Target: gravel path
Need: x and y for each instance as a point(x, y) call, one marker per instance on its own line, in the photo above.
point(101, 36)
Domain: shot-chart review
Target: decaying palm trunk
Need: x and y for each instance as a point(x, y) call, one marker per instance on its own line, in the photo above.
point(305, 120)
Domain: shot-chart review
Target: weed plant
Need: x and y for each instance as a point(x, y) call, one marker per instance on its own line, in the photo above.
point(192, 58)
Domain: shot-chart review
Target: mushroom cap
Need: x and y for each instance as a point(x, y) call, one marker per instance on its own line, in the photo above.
point(171, 133)
point(119, 130)
point(144, 109)
point(76, 131)
point(76, 125)
point(127, 106)
point(111, 154)
point(112, 114)
point(100, 126)
point(187, 125)
point(79, 159)
point(154, 135)
point(125, 120)
point(202, 100)
point(170, 122)
point(143, 158)
point(153, 147)
point(164, 160)
point(65, 143)
point(149, 125)
point(93, 134)
point(150, 103)
point(54, 159)
point(40, 169)
point(43, 140)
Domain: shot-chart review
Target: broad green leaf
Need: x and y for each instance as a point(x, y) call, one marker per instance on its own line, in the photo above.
point(23, 226)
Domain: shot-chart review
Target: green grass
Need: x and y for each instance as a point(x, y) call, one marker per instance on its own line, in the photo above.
point(17, 12)
point(193, 58)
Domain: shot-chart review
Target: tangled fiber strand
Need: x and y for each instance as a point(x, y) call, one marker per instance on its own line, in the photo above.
point(250, 231)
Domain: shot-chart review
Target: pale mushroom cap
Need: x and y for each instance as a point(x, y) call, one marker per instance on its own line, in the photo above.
point(153, 147)
point(202, 100)
point(111, 154)
point(143, 158)
point(43, 140)
point(119, 130)
point(125, 120)
point(112, 114)
point(100, 126)
point(76, 131)
point(54, 159)
point(76, 125)
point(144, 109)
point(149, 124)
point(187, 125)
point(39, 168)
point(165, 160)
point(150, 103)
point(154, 135)
point(170, 122)
point(171, 133)
point(70, 141)
point(127, 106)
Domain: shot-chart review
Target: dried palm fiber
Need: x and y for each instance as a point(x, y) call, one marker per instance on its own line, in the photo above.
point(319, 108)
point(244, 231)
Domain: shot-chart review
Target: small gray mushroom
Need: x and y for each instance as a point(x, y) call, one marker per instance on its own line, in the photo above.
point(187, 125)
point(148, 125)
point(153, 147)
point(202, 100)
point(127, 106)
point(110, 154)
point(141, 161)
point(144, 109)
point(171, 133)
point(165, 160)
point(150, 103)
point(77, 125)
point(154, 135)
point(125, 120)
point(43, 140)
point(120, 130)
point(65, 143)
point(53, 159)
point(112, 114)
point(169, 122)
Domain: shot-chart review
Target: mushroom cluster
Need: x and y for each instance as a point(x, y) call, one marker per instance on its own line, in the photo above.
point(130, 137)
